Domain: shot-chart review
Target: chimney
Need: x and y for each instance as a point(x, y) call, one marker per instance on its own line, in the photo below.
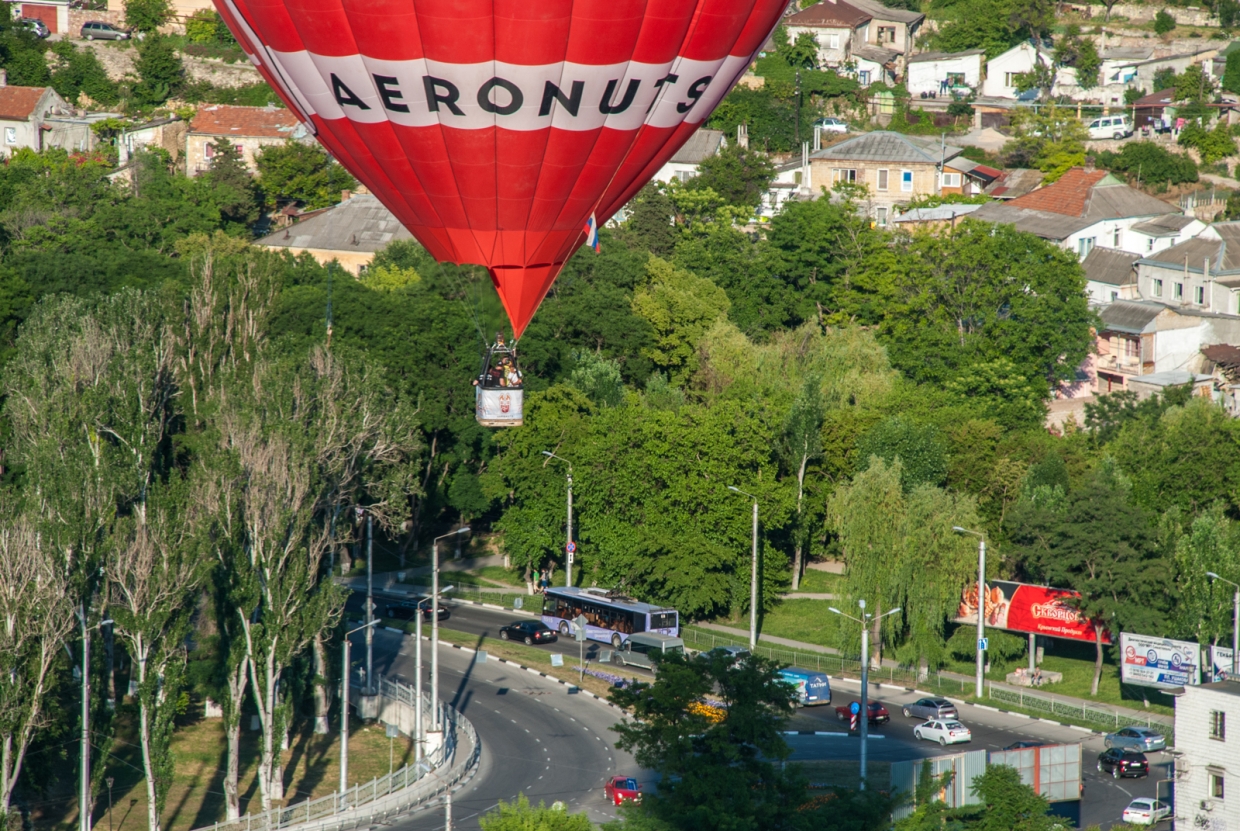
point(4, 77)
point(346, 195)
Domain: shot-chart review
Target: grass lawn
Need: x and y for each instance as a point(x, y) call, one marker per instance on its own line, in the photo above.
point(800, 620)
point(196, 796)
point(820, 581)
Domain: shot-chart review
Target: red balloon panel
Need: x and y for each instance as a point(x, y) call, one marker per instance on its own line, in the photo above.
point(493, 129)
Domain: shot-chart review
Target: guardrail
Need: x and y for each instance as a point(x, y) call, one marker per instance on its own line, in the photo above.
point(1095, 714)
point(367, 803)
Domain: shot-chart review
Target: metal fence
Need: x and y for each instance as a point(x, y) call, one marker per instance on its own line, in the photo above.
point(1051, 705)
point(367, 803)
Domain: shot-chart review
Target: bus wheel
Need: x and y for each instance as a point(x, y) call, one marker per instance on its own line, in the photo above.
point(564, 628)
point(616, 640)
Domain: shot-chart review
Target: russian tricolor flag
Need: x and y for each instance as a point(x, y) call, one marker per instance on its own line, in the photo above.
point(591, 230)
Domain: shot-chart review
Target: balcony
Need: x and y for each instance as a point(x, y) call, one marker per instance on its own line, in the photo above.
point(1126, 364)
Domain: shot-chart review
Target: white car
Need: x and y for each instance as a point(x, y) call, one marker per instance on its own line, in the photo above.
point(943, 732)
point(1110, 127)
point(1146, 811)
point(832, 125)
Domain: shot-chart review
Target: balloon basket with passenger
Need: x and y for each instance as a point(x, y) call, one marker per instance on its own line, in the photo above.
point(498, 395)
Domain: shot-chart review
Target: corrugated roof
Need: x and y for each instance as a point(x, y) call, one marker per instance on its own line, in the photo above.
point(941, 213)
point(17, 103)
point(223, 120)
point(1113, 201)
point(1129, 316)
point(1015, 183)
point(944, 56)
point(881, 12)
point(1162, 98)
point(701, 145)
point(357, 224)
point(886, 146)
point(831, 14)
point(1068, 196)
point(1047, 225)
point(1128, 53)
point(1167, 225)
point(875, 53)
point(1110, 266)
point(1192, 251)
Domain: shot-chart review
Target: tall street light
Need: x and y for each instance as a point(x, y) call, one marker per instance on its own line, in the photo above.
point(435, 623)
point(865, 620)
point(84, 783)
point(981, 603)
point(753, 578)
point(344, 704)
point(1235, 632)
point(568, 546)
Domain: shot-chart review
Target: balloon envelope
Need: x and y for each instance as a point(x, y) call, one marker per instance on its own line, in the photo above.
point(494, 129)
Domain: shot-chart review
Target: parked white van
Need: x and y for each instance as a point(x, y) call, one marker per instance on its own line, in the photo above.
point(1110, 127)
point(639, 646)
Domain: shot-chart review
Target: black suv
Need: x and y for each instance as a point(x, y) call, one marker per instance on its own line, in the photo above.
point(1121, 762)
point(408, 608)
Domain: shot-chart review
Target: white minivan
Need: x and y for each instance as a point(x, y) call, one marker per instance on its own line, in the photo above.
point(1110, 127)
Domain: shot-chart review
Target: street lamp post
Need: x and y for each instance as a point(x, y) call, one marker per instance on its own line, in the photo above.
point(568, 555)
point(753, 577)
point(344, 705)
point(1235, 632)
point(435, 623)
point(370, 604)
point(981, 603)
point(84, 784)
point(865, 620)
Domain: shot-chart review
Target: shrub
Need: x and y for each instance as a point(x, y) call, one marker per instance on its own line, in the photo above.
point(1213, 145)
point(1163, 22)
point(1151, 162)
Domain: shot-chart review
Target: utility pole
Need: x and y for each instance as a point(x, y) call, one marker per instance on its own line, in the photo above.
point(370, 604)
point(84, 781)
point(865, 620)
point(569, 547)
point(435, 714)
point(753, 576)
point(344, 706)
point(419, 734)
point(981, 605)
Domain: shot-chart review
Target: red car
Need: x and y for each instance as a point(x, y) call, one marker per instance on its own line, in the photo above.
point(620, 788)
point(878, 713)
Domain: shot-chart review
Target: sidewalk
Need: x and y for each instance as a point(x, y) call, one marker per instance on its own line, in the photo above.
point(1006, 692)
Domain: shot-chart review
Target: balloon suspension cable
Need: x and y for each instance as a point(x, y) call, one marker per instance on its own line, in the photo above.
point(464, 298)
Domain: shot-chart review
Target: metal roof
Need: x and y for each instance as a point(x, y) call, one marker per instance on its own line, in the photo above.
point(830, 14)
point(941, 213)
point(945, 56)
point(1168, 225)
point(1107, 201)
point(1110, 266)
point(886, 146)
point(1044, 224)
point(359, 224)
point(1220, 243)
point(880, 12)
point(877, 54)
point(701, 145)
point(1129, 316)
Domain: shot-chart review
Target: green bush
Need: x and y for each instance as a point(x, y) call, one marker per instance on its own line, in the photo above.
point(1163, 22)
point(1149, 161)
point(1213, 145)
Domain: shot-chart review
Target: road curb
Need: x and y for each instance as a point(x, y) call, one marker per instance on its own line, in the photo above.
point(830, 733)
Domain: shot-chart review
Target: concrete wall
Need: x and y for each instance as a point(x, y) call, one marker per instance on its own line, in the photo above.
point(196, 150)
point(925, 179)
point(928, 76)
point(1200, 752)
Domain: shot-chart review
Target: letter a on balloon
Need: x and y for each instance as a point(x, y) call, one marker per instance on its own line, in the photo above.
point(495, 129)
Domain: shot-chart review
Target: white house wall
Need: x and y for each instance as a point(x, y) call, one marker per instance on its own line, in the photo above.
point(1017, 60)
point(928, 76)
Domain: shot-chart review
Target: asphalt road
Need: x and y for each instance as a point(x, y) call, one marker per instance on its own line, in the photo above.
point(537, 738)
point(1104, 799)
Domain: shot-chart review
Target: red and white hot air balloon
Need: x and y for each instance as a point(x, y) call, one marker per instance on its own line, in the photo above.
point(495, 130)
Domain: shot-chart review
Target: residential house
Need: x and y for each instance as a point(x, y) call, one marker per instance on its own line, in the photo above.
point(1014, 182)
point(940, 216)
point(1156, 110)
point(837, 26)
point(1223, 362)
point(876, 64)
point(890, 29)
point(1200, 273)
point(938, 73)
point(1162, 232)
point(350, 233)
point(1207, 755)
point(24, 112)
point(894, 168)
point(166, 133)
point(1128, 68)
point(1110, 275)
point(683, 165)
point(72, 130)
point(1002, 70)
point(247, 128)
point(1080, 211)
point(1140, 338)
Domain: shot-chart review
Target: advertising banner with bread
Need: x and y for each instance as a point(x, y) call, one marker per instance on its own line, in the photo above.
point(1021, 607)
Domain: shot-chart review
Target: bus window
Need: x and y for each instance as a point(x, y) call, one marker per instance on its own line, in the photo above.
point(662, 620)
point(638, 622)
point(550, 604)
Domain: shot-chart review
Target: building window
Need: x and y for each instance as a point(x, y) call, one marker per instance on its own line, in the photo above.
point(1149, 244)
point(1158, 288)
point(208, 150)
point(1200, 294)
point(833, 41)
point(1114, 296)
point(1218, 725)
point(1216, 786)
point(906, 181)
point(844, 175)
point(882, 179)
point(1084, 245)
point(951, 180)
point(863, 77)
point(1009, 79)
point(881, 215)
point(1178, 291)
point(1115, 243)
point(886, 34)
point(10, 135)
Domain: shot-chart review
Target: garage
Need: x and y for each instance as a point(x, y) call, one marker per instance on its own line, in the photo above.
point(45, 13)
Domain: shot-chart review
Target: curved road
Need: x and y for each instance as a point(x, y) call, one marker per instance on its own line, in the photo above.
point(537, 738)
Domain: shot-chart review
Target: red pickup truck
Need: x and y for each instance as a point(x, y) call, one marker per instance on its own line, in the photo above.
point(878, 713)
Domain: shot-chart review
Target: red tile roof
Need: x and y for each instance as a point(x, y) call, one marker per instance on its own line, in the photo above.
point(833, 14)
point(1068, 196)
point(221, 120)
point(17, 103)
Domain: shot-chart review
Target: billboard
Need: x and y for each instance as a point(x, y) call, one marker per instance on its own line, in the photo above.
point(1021, 607)
point(1159, 662)
point(1220, 662)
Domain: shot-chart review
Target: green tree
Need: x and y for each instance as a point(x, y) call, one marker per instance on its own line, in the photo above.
point(147, 16)
point(739, 175)
point(1203, 611)
point(1098, 541)
point(680, 307)
point(715, 775)
point(801, 443)
point(1011, 805)
point(1051, 139)
point(1193, 85)
point(599, 379)
point(233, 188)
point(301, 173)
point(1213, 145)
point(1164, 23)
point(80, 71)
point(920, 449)
point(160, 71)
point(1231, 73)
point(206, 27)
point(1151, 162)
point(521, 816)
point(650, 225)
point(1013, 399)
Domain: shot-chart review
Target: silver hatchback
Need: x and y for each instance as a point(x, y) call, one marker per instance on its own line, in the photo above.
point(931, 708)
point(1137, 738)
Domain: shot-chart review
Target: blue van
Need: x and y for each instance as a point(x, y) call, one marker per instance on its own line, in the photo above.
point(812, 687)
